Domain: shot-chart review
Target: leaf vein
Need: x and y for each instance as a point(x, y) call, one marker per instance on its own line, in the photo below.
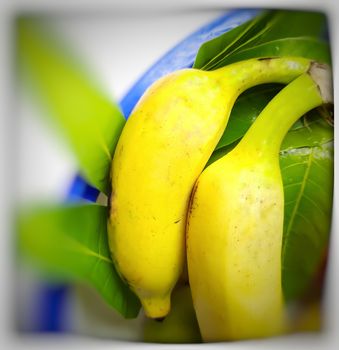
point(297, 203)
point(293, 184)
point(293, 165)
point(315, 204)
point(85, 250)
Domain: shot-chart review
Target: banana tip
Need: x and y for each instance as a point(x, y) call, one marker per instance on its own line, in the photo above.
point(156, 308)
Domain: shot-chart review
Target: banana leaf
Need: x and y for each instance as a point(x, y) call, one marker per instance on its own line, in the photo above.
point(270, 26)
point(69, 242)
point(292, 23)
point(308, 185)
point(215, 49)
point(315, 49)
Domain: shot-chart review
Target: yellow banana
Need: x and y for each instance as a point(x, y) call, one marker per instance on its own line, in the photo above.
point(235, 223)
point(163, 148)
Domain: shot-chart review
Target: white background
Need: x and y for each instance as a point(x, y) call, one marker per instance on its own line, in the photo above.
point(48, 167)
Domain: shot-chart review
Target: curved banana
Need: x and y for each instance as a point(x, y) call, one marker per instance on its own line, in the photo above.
point(235, 223)
point(163, 148)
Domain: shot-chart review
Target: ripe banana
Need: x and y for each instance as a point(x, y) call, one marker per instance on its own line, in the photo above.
point(163, 148)
point(235, 223)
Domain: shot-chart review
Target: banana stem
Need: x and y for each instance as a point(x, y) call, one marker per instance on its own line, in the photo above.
point(245, 74)
point(306, 92)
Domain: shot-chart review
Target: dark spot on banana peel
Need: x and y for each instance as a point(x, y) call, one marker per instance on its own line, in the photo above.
point(109, 195)
point(265, 58)
point(190, 204)
point(195, 187)
point(110, 203)
point(121, 149)
point(159, 319)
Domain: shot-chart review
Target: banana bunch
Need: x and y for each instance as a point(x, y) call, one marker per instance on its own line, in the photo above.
point(229, 216)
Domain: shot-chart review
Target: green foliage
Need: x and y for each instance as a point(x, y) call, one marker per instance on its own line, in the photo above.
point(212, 51)
point(308, 184)
point(270, 34)
point(70, 243)
point(301, 46)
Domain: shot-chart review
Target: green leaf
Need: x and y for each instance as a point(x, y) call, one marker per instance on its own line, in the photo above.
point(300, 46)
point(308, 187)
point(214, 50)
point(287, 24)
point(70, 242)
point(313, 130)
point(262, 33)
point(89, 121)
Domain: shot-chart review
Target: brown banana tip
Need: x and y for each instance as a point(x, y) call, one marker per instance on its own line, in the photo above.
point(322, 75)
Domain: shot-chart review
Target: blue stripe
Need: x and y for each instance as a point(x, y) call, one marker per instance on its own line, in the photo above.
point(80, 189)
point(52, 299)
